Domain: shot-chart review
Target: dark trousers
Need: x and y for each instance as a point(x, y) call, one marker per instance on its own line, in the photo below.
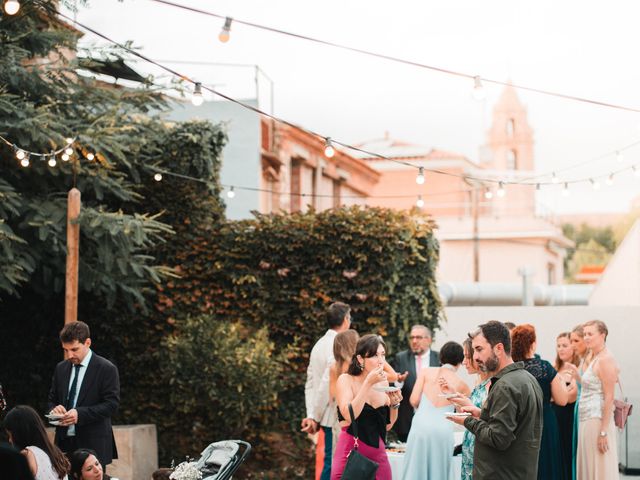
point(328, 440)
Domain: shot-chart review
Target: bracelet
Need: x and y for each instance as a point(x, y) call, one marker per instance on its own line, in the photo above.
point(396, 406)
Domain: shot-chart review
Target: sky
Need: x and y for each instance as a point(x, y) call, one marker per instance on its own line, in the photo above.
point(581, 48)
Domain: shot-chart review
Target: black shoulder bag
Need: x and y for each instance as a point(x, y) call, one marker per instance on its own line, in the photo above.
point(358, 466)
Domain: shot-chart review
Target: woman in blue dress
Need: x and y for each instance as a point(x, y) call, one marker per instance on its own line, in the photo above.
point(523, 348)
point(430, 443)
point(478, 396)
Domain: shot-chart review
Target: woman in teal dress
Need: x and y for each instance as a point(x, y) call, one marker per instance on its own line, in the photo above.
point(478, 396)
point(523, 347)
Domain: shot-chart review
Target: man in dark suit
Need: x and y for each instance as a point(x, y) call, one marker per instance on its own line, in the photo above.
point(85, 391)
point(411, 361)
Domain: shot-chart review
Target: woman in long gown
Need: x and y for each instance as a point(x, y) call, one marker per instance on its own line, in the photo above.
point(478, 396)
point(375, 412)
point(582, 356)
point(565, 358)
point(523, 348)
point(597, 450)
point(430, 442)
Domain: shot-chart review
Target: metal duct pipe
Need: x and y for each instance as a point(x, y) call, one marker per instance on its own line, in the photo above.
point(455, 294)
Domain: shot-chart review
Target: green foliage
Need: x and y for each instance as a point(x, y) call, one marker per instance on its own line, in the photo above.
point(222, 378)
point(43, 100)
point(593, 245)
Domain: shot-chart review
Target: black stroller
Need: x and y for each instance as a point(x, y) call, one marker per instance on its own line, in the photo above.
point(220, 460)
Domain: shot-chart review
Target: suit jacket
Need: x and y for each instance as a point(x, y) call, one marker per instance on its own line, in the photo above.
point(98, 400)
point(405, 361)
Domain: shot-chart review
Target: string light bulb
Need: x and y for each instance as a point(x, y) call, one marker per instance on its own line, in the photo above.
point(24, 161)
point(225, 33)
point(488, 194)
point(65, 157)
point(595, 184)
point(197, 97)
point(554, 178)
point(501, 192)
point(619, 156)
point(538, 186)
point(329, 151)
point(479, 92)
point(11, 7)
point(52, 161)
point(565, 190)
point(420, 202)
point(610, 180)
point(69, 140)
point(636, 171)
point(420, 177)
point(231, 193)
point(68, 151)
point(90, 156)
point(157, 177)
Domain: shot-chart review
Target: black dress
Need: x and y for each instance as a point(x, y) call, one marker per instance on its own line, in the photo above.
point(565, 426)
point(550, 465)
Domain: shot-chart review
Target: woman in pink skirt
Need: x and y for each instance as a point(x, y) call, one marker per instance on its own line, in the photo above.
point(375, 411)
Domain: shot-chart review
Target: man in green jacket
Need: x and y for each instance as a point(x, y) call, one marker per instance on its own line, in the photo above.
point(508, 428)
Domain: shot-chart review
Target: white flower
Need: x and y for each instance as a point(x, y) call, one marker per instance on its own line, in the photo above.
point(186, 471)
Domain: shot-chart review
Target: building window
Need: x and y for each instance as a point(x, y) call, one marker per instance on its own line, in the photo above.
point(511, 127)
point(512, 160)
point(551, 274)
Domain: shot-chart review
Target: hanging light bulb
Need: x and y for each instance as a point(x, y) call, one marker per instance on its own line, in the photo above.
point(565, 190)
point(595, 184)
point(488, 194)
point(619, 156)
point(68, 151)
point(25, 161)
point(636, 171)
point(554, 178)
point(52, 161)
point(157, 177)
point(225, 33)
point(90, 156)
point(231, 193)
point(478, 90)
point(11, 7)
point(610, 180)
point(69, 140)
point(197, 97)
point(501, 192)
point(420, 202)
point(329, 151)
point(537, 186)
point(420, 177)
point(20, 154)
point(65, 157)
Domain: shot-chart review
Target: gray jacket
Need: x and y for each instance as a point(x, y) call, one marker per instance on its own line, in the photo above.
point(509, 429)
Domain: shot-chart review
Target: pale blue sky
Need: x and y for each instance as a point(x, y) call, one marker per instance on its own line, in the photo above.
point(583, 48)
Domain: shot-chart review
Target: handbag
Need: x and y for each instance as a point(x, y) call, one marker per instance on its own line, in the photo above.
point(358, 466)
point(622, 409)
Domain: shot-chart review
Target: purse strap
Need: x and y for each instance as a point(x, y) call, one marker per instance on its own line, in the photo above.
point(354, 426)
point(621, 391)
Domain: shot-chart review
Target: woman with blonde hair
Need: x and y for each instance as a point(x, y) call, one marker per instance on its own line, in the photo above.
point(565, 360)
point(597, 450)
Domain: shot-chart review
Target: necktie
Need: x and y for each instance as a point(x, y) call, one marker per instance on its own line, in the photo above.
point(74, 386)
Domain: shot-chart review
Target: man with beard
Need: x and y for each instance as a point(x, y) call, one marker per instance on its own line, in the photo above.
point(508, 428)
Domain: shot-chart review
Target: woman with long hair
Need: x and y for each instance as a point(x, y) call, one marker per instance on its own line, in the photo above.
point(26, 431)
point(523, 349)
point(597, 450)
point(581, 355)
point(565, 360)
point(430, 442)
point(86, 466)
point(375, 412)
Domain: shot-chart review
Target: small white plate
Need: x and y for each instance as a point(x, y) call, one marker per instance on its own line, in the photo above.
point(457, 414)
point(387, 389)
point(55, 423)
point(54, 416)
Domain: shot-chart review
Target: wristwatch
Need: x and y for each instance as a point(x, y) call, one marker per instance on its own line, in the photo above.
point(602, 434)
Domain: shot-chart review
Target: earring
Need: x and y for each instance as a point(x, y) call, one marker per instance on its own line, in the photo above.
point(361, 366)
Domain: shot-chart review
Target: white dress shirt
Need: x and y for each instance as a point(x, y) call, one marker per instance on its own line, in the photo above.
point(422, 361)
point(316, 392)
point(71, 432)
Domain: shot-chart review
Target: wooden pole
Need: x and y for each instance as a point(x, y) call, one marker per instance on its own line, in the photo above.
point(73, 252)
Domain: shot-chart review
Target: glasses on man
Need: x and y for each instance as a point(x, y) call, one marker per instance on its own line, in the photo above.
point(417, 337)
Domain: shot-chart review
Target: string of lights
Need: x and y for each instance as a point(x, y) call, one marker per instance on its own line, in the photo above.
point(478, 89)
point(330, 142)
point(24, 155)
